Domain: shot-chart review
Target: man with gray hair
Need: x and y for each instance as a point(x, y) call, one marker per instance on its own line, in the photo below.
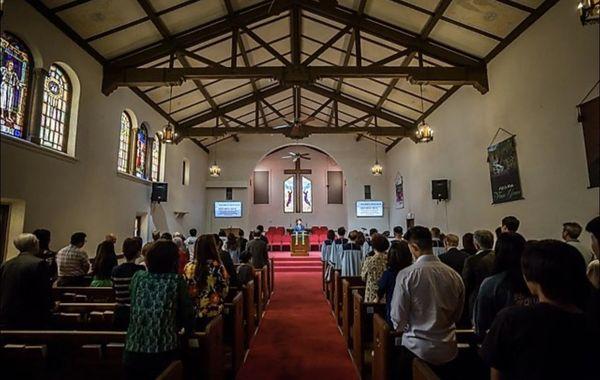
point(453, 257)
point(570, 234)
point(478, 267)
point(25, 287)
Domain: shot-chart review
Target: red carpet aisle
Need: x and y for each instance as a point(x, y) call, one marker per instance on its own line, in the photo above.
point(298, 338)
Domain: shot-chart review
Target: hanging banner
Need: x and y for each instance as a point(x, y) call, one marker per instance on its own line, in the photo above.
point(399, 190)
point(504, 171)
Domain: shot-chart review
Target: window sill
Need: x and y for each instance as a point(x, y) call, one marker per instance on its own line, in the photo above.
point(134, 178)
point(28, 145)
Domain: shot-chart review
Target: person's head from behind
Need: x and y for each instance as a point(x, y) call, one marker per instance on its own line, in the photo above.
point(468, 242)
point(450, 241)
point(593, 227)
point(398, 231)
point(245, 257)
point(331, 235)
point(193, 232)
point(155, 235)
point(232, 241)
point(179, 243)
point(131, 249)
point(111, 237)
point(260, 228)
point(78, 239)
point(27, 243)
point(166, 236)
point(353, 235)
point(206, 249)
point(399, 256)
point(139, 242)
point(257, 234)
point(483, 239)
point(104, 258)
point(510, 224)
point(555, 272)
point(218, 241)
point(241, 233)
point(419, 241)
point(571, 231)
point(380, 243)
point(435, 233)
point(509, 249)
point(372, 232)
point(341, 232)
point(43, 237)
point(360, 238)
point(162, 257)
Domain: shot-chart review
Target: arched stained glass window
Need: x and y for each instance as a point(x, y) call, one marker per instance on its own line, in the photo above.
point(15, 74)
point(156, 155)
point(56, 105)
point(141, 149)
point(124, 142)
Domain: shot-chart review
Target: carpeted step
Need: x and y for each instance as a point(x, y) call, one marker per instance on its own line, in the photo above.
point(288, 264)
point(297, 269)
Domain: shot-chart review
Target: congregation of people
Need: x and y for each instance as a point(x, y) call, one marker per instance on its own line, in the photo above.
point(533, 305)
point(171, 285)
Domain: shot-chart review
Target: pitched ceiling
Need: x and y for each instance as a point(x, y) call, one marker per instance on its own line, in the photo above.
point(253, 33)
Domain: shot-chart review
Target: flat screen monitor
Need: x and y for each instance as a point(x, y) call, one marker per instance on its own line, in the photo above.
point(228, 209)
point(369, 209)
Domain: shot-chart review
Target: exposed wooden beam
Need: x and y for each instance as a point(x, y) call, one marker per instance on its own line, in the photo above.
point(326, 46)
point(306, 130)
point(393, 144)
point(267, 46)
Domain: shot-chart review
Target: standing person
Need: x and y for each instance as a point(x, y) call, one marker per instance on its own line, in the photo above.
point(207, 281)
point(190, 242)
point(438, 243)
point(374, 266)
point(183, 255)
point(25, 287)
point(510, 224)
point(398, 233)
point(257, 248)
point(233, 248)
point(570, 234)
point(260, 229)
point(506, 287)
point(398, 258)
point(243, 241)
point(352, 255)
point(427, 303)
point(227, 262)
point(468, 244)
point(549, 340)
point(160, 307)
point(121, 278)
point(367, 245)
point(478, 267)
point(299, 226)
point(453, 257)
point(73, 262)
point(245, 271)
point(104, 263)
point(328, 246)
point(593, 310)
point(45, 253)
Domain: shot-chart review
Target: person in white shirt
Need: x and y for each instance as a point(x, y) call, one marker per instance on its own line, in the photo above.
point(190, 243)
point(427, 303)
point(437, 241)
point(570, 234)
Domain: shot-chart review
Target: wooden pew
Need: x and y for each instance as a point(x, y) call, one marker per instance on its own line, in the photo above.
point(173, 372)
point(233, 315)
point(338, 294)
point(362, 331)
point(258, 295)
point(421, 371)
point(386, 347)
point(249, 313)
point(272, 266)
point(349, 284)
point(83, 294)
point(204, 355)
point(336, 273)
point(323, 270)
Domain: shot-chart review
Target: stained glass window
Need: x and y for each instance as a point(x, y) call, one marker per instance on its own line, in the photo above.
point(155, 165)
point(15, 73)
point(124, 139)
point(56, 104)
point(289, 195)
point(306, 195)
point(141, 145)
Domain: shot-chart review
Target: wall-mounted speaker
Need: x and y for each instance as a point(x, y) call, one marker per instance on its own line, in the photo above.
point(440, 189)
point(159, 192)
point(367, 191)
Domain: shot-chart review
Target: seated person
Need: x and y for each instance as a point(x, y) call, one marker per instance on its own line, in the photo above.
point(25, 287)
point(207, 281)
point(73, 262)
point(549, 340)
point(374, 266)
point(352, 256)
point(104, 263)
point(245, 271)
point(160, 307)
point(427, 303)
point(121, 279)
point(398, 258)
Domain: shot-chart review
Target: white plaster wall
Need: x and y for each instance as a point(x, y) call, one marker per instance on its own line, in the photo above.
point(239, 160)
point(535, 85)
point(86, 193)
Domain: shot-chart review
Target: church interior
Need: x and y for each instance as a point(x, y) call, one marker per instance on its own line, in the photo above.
point(293, 189)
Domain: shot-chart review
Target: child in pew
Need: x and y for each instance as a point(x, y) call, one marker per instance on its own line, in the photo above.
point(245, 270)
point(399, 257)
point(160, 307)
point(121, 279)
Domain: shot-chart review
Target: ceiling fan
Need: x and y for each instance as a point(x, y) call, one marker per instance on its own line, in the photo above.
point(297, 156)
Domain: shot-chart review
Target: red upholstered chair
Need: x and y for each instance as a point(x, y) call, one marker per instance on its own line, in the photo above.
point(269, 235)
point(281, 230)
point(271, 229)
point(314, 230)
point(322, 237)
point(286, 241)
point(324, 229)
point(276, 240)
point(314, 241)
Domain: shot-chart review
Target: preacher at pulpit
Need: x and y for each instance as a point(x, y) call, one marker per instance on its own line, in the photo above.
point(299, 227)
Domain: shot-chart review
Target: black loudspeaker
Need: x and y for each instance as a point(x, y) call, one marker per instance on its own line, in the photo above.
point(367, 191)
point(440, 189)
point(159, 192)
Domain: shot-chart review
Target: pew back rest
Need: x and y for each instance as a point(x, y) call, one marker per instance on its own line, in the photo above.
point(421, 371)
point(173, 372)
point(83, 294)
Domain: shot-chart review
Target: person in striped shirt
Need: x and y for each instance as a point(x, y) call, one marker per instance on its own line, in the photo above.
point(121, 278)
point(73, 262)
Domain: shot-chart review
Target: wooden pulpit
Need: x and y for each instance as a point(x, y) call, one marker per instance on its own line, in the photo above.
point(300, 243)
